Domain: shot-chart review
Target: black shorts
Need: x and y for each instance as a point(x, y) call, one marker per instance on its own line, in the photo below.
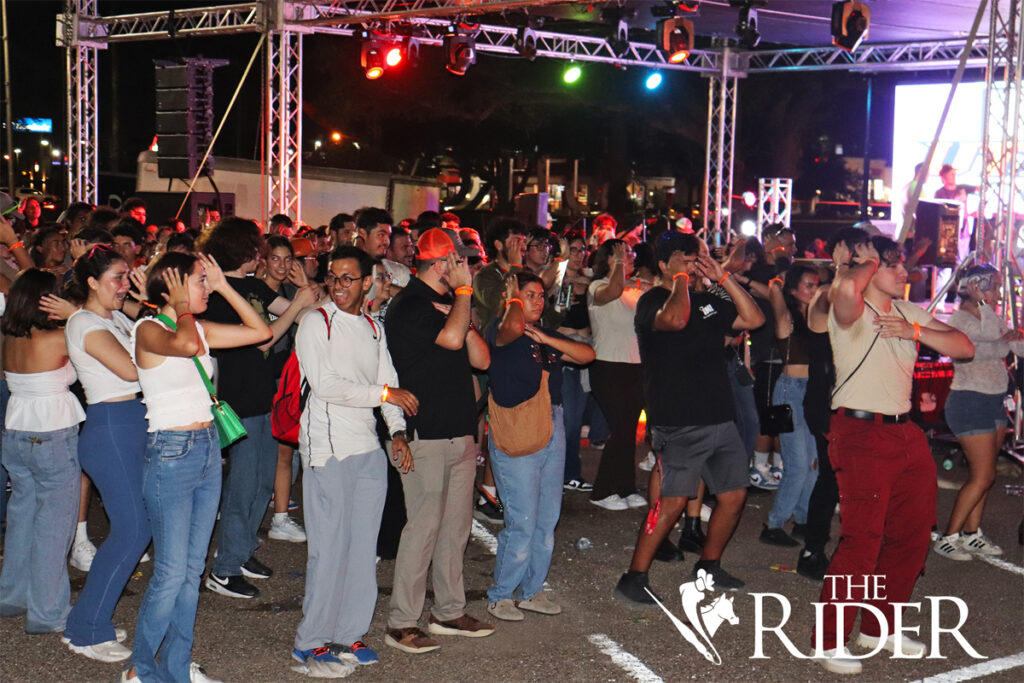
point(714, 453)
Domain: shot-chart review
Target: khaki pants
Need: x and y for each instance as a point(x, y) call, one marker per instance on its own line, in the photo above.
point(439, 506)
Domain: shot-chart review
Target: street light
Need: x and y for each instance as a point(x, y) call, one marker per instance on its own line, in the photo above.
point(44, 143)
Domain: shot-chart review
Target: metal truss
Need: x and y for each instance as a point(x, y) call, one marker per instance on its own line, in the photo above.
point(774, 202)
point(283, 92)
point(248, 17)
point(934, 54)
point(722, 91)
point(81, 104)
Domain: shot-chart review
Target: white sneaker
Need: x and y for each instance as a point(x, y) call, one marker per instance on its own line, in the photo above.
point(110, 651)
point(612, 502)
point(839, 661)
point(949, 547)
point(648, 463)
point(287, 530)
point(908, 647)
point(705, 512)
point(82, 554)
point(197, 675)
point(145, 558)
point(120, 635)
point(635, 500)
point(977, 544)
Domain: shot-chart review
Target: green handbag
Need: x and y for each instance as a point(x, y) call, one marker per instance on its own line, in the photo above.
point(229, 425)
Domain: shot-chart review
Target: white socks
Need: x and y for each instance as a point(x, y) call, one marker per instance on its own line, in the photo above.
point(761, 459)
point(279, 517)
point(81, 535)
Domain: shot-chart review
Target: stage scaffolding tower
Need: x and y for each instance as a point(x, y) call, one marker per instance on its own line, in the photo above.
point(82, 136)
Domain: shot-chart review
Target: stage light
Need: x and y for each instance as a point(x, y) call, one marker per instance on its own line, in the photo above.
point(572, 74)
point(459, 50)
point(675, 38)
point(746, 26)
point(653, 81)
point(336, 136)
point(850, 21)
point(749, 199)
point(619, 44)
point(371, 60)
point(748, 228)
point(526, 43)
point(393, 55)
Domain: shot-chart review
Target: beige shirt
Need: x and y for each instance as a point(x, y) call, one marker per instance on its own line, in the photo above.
point(884, 381)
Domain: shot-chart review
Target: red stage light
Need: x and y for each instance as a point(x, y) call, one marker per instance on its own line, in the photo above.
point(374, 72)
point(393, 56)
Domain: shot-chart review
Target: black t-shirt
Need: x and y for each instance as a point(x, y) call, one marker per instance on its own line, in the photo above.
point(685, 373)
point(441, 379)
point(246, 378)
point(516, 367)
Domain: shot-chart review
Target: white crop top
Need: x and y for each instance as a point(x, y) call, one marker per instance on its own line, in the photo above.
point(99, 382)
point(41, 402)
point(174, 392)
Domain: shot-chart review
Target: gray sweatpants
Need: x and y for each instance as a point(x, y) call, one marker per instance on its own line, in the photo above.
point(342, 504)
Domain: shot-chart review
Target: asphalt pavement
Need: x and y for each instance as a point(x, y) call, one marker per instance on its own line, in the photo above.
point(596, 638)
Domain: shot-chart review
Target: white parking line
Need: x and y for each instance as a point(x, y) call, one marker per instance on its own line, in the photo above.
point(625, 661)
point(480, 533)
point(968, 673)
point(1002, 564)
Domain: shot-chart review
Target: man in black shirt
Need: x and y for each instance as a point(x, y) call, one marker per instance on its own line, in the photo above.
point(681, 329)
point(434, 350)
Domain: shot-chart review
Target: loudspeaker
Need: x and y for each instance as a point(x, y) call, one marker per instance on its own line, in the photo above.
point(184, 115)
point(939, 221)
point(532, 208)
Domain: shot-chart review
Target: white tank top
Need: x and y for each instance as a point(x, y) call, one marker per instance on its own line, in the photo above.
point(174, 392)
point(99, 382)
point(41, 402)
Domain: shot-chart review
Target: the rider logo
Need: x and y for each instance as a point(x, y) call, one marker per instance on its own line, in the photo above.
point(704, 619)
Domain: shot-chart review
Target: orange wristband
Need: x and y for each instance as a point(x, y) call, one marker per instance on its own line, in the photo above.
point(466, 289)
point(384, 394)
point(917, 331)
point(681, 274)
point(777, 279)
point(511, 301)
point(17, 244)
point(724, 278)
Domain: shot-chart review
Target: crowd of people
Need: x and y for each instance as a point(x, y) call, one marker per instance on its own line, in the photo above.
point(477, 365)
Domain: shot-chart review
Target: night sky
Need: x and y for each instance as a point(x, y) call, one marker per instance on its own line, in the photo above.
point(502, 106)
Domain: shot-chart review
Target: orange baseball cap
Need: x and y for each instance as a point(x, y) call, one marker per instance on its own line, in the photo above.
point(302, 247)
point(439, 242)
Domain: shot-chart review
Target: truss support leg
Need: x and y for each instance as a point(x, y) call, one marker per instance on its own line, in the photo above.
point(283, 95)
point(719, 158)
point(81, 104)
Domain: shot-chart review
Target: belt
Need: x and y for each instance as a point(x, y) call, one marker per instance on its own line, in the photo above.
point(872, 417)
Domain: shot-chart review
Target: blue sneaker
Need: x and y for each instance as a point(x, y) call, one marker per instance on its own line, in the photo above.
point(320, 662)
point(762, 478)
point(357, 652)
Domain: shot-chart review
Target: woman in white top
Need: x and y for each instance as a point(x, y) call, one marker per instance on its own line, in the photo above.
point(975, 408)
point(615, 377)
point(111, 445)
point(182, 471)
point(40, 452)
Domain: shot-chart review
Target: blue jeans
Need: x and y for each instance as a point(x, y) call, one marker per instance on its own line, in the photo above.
point(530, 486)
point(111, 449)
point(252, 464)
point(799, 454)
point(574, 402)
point(4, 395)
point(181, 489)
point(747, 422)
point(43, 511)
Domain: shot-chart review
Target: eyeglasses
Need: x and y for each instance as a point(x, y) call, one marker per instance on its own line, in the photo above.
point(541, 245)
point(343, 280)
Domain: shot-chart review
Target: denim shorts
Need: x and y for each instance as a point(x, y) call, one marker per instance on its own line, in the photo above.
point(971, 412)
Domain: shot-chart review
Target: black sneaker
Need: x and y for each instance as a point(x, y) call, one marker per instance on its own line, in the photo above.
point(799, 531)
point(632, 588)
point(254, 569)
point(692, 540)
point(724, 581)
point(777, 537)
point(668, 552)
point(488, 508)
point(812, 564)
point(231, 586)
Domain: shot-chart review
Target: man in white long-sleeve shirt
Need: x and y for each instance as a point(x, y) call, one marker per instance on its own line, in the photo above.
point(344, 357)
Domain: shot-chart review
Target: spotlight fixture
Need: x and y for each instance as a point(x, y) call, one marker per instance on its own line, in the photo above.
point(372, 60)
point(526, 43)
point(459, 50)
point(620, 43)
point(572, 74)
point(675, 38)
point(653, 82)
point(850, 22)
point(393, 55)
point(674, 8)
point(746, 27)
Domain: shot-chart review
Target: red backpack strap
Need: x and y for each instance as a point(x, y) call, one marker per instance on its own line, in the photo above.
point(373, 325)
point(327, 321)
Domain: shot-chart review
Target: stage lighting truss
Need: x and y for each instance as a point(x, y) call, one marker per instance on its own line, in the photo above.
point(850, 22)
point(675, 38)
point(460, 47)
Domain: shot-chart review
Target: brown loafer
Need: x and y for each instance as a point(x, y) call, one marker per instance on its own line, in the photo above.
point(411, 640)
point(465, 625)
